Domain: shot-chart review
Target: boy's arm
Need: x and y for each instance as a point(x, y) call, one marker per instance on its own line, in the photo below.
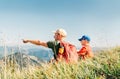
point(36, 42)
point(90, 53)
point(82, 51)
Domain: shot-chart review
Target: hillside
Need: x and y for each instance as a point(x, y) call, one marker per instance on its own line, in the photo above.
point(22, 60)
point(105, 65)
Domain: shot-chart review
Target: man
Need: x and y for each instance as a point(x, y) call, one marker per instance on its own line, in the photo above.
point(59, 35)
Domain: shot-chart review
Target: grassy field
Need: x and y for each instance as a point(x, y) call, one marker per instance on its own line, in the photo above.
point(105, 65)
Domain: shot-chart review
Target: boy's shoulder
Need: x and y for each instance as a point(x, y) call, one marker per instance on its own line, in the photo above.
point(88, 47)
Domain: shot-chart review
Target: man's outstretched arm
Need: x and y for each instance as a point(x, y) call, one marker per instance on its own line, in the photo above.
point(36, 42)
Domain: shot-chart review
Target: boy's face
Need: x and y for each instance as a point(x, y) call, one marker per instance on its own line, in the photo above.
point(84, 42)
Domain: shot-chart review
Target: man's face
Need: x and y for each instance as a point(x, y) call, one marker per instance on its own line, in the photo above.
point(57, 36)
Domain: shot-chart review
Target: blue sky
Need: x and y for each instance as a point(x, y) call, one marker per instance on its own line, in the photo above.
point(36, 19)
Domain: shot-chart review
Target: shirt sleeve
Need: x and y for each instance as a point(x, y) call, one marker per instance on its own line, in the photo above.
point(82, 51)
point(50, 44)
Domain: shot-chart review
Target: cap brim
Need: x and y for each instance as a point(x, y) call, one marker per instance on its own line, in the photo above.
point(80, 39)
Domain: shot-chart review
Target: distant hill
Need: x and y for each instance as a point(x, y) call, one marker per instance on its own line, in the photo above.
point(41, 52)
point(22, 60)
point(38, 51)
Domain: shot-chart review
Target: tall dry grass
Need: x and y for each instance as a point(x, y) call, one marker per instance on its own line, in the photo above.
point(105, 65)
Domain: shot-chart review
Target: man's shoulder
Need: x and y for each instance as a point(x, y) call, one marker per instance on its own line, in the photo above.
point(53, 42)
point(50, 42)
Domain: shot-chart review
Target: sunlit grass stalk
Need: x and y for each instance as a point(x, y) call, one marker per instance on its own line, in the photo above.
point(5, 54)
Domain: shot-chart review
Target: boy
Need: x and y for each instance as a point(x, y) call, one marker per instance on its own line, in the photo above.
point(85, 51)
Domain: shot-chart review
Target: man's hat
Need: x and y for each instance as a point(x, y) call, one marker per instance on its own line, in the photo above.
point(61, 32)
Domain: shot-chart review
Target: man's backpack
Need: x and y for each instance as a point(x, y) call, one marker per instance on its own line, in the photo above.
point(70, 52)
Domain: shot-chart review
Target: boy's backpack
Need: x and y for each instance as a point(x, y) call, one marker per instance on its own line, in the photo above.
point(70, 52)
